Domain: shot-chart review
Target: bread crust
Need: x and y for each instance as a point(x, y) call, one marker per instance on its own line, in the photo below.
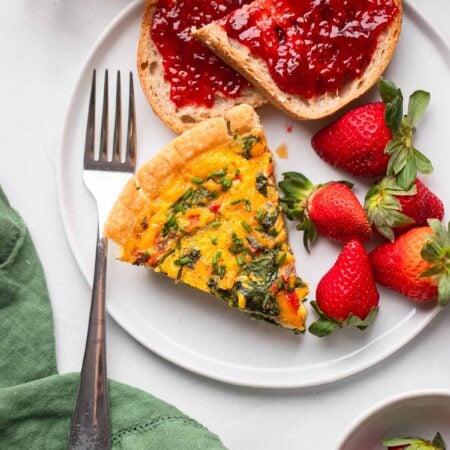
point(146, 185)
point(157, 89)
point(255, 70)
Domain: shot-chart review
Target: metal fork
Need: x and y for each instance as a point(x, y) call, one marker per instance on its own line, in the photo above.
point(104, 177)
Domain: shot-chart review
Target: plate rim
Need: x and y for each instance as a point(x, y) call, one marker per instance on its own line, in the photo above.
point(440, 41)
point(390, 401)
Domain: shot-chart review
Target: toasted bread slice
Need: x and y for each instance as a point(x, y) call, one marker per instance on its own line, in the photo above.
point(205, 211)
point(256, 71)
point(157, 89)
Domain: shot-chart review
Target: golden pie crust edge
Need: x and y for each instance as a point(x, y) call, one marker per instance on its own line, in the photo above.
point(145, 185)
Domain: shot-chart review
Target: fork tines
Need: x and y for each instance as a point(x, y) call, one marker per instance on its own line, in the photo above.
point(117, 162)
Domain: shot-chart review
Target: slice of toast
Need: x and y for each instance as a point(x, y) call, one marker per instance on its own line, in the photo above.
point(256, 71)
point(206, 212)
point(157, 89)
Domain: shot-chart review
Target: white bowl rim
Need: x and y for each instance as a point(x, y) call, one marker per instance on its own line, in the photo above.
point(390, 401)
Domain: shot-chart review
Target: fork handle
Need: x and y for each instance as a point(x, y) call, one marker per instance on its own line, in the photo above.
point(91, 426)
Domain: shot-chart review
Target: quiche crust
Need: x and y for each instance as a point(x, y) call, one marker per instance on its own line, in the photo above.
point(145, 186)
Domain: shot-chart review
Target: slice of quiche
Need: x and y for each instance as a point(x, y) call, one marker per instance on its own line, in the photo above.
point(205, 211)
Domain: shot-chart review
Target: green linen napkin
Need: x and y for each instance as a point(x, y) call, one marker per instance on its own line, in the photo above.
point(35, 402)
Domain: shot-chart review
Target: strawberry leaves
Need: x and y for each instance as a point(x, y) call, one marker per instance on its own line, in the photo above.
point(297, 189)
point(406, 161)
point(416, 443)
point(325, 325)
point(437, 252)
point(418, 103)
point(382, 205)
point(310, 234)
point(393, 99)
point(444, 290)
point(355, 321)
point(383, 208)
point(438, 442)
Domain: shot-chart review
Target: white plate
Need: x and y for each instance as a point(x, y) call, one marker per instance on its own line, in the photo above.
point(419, 413)
point(200, 333)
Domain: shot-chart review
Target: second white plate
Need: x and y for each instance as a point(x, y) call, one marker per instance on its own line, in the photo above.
point(418, 413)
point(200, 333)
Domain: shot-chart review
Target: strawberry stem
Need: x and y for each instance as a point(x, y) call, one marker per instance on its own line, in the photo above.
point(405, 160)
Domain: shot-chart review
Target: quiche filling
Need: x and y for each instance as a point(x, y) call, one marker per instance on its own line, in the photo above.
point(217, 226)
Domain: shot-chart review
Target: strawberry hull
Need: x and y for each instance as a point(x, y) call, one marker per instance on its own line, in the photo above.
point(392, 210)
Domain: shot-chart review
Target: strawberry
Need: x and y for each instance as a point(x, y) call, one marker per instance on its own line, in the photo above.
point(416, 264)
point(392, 210)
point(356, 141)
point(415, 443)
point(331, 209)
point(347, 295)
point(376, 138)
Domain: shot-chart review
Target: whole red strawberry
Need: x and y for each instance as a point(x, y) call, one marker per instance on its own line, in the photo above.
point(377, 139)
point(356, 141)
point(416, 264)
point(346, 295)
point(415, 443)
point(331, 210)
point(392, 210)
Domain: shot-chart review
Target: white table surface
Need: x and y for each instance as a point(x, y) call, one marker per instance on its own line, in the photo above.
point(42, 46)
